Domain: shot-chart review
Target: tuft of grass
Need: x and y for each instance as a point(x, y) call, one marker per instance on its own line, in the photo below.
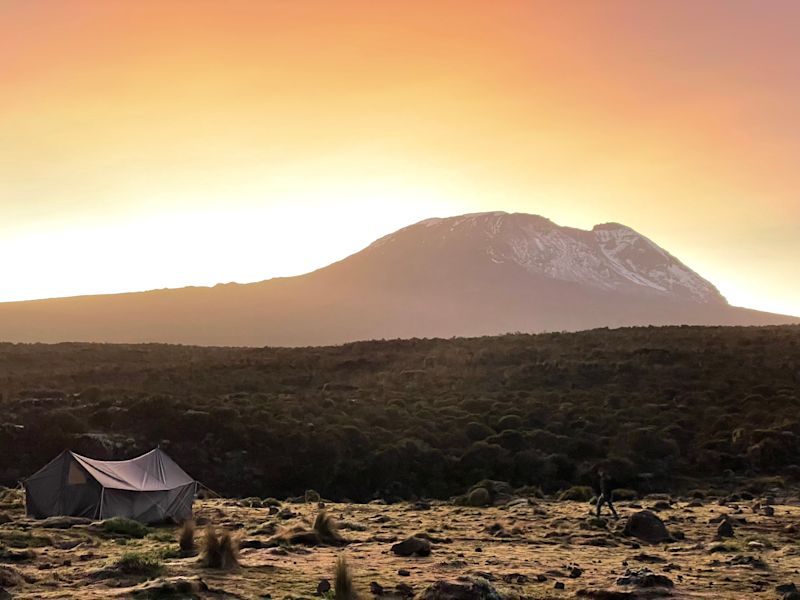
point(220, 551)
point(161, 535)
point(326, 528)
point(186, 539)
point(139, 563)
point(122, 526)
point(343, 588)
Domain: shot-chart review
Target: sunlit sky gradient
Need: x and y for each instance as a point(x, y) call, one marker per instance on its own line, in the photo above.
point(162, 143)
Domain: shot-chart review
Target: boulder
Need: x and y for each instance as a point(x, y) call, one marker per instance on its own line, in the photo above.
point(463, 588)
point(647, 526)
point(479, 497)
point(644, 578)
point(413, 546)
point(725, 530)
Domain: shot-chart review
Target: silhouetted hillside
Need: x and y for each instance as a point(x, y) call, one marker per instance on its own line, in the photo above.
point(421, 416)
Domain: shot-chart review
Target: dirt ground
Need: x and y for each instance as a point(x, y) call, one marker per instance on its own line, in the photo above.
point(523, 549)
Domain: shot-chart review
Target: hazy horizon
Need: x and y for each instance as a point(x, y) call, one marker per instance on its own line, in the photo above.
point(157, 145)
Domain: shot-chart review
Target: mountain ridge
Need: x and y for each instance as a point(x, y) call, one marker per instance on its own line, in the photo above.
point(468, 275)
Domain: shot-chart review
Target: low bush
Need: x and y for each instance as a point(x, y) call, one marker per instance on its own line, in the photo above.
point(126, 527)
point(577, 493)
point(139, 563)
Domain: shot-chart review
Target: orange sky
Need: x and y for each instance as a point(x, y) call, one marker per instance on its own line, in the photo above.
point(162, 143)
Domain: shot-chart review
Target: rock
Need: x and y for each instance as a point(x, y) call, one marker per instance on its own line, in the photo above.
point(648, 558)
point(725, 530)
point(403, 589)
point(575, 572)
point(785, 588)
point(463, 588)
point(748, 560)
point(412, 546)
point(479, 497)
point(644, 578)
point(403, 572)
point(286, 513)
point(661, 505)
point(559, 585)
point(11, 555)
point(63, 522)
point(10, 577)
point(768, 511)
point(647, 527)
point(375, 588)
point(323, 587)
point(516, 578)
point(605, 595)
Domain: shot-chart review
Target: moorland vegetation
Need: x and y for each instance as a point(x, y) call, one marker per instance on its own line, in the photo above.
point(658, 407)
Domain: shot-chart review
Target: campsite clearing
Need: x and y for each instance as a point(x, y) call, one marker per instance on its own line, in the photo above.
point(522, 548)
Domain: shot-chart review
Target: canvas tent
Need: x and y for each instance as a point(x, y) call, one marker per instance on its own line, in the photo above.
point(149, 488)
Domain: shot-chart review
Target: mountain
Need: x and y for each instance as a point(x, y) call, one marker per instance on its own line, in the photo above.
point(476, 274)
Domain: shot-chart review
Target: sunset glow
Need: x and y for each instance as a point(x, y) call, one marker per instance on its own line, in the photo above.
point(154, 144)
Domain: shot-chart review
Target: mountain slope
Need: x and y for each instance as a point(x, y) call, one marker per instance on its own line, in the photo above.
point(470, 275)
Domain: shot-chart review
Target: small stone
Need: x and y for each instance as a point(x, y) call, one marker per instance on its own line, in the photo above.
point(375, 588)
point(404, 572)
point(323, 587)
point(559, 585)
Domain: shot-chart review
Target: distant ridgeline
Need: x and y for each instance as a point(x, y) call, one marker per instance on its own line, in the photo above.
point(659, 407)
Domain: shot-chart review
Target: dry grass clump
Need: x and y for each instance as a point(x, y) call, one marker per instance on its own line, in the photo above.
point(186, 538)
point(327, 529)
point(343, 588)
point(220, 551)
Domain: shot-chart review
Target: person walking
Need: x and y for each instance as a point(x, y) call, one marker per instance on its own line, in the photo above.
point(605, 493)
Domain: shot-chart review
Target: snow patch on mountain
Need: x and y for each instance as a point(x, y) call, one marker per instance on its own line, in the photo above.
point(610, 256)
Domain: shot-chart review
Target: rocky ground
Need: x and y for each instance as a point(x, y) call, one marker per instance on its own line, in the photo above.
point(525, 548)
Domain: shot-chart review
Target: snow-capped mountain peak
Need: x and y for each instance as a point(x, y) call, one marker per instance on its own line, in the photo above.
point(610, 256)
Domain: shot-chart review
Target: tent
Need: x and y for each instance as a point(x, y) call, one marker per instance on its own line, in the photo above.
point(149, 488)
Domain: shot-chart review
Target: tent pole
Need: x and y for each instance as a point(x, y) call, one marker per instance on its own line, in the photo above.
point(102, 496)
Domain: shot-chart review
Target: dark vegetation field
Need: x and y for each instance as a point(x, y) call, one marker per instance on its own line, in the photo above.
point(661, 407)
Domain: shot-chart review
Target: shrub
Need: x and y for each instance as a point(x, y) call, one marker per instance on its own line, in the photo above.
point(139, 563)
point(624, 494)
point(123, 526)
point(577, 493)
